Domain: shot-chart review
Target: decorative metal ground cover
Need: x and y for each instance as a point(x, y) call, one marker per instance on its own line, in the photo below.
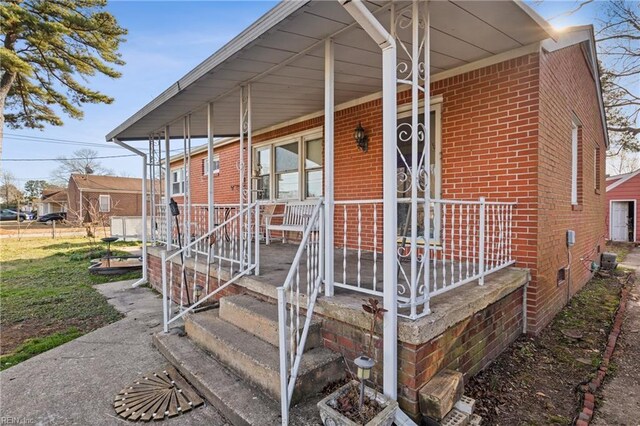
point(156, 396)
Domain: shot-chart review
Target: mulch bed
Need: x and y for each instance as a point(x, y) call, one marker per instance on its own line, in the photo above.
point(539, 380)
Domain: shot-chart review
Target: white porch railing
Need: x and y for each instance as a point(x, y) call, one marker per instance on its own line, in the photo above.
point(467, 241)
point(227, 247)
point(297, 297)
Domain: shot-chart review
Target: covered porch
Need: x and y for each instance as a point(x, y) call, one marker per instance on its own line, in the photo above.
point(405, 235)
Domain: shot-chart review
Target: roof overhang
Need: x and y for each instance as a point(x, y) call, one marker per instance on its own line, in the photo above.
point(282, 56)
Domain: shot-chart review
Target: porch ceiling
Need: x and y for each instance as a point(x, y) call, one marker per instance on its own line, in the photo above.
point(282, 55)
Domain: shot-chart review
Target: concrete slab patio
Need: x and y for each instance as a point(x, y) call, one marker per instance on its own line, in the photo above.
point(74, 384)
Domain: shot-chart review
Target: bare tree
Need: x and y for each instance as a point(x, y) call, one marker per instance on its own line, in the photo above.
point(83, 161)
point(623, 162)
point(9, 192)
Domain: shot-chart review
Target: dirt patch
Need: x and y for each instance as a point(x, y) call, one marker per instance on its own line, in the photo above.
point(13, 335)
point(536, 381)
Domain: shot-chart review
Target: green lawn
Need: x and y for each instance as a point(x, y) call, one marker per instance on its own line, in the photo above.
point(46, 294)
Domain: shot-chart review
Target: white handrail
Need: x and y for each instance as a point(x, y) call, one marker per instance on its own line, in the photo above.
point(313, 243)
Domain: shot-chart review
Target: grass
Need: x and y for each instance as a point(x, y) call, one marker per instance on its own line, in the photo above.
point(37, 345)
point(47, 294)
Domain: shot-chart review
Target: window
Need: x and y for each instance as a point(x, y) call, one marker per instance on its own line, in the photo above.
point(263, 173)
point(313, 168)
point(290, 168)
point(596, 169)
point(105, 203)
point(177, 181)
point(216, 165)
point(576, 162)
point(287, 174)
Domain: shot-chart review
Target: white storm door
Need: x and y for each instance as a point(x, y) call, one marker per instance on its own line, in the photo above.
point(619, 223)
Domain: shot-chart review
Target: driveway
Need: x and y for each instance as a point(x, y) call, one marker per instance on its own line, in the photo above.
point(75, 384)
point(620, 403)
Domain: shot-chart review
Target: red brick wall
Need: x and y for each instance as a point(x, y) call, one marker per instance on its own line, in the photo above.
point(629, 190)
point(468, 347)
point(566, 88)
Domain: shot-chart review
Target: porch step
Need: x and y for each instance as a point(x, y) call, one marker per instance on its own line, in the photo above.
point(257, 361)
point(261, 319)
point(239, 402)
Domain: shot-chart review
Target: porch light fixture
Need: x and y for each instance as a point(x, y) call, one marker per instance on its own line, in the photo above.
point(364, 364)
point(362, 140)
point(198, 292)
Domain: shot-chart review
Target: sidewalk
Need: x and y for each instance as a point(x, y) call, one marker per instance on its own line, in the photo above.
point(620, 403)
point(75, 384)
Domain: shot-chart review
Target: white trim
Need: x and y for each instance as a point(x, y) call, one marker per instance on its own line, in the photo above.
point(108, 198)
point(621, 180)
point(574, 161)
point(182, 182)
point(635, 216)
point(205, 165)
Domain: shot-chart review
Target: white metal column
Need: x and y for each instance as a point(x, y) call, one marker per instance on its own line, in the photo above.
point(427, 160)
point(329, 122)
point(249, 168)
point(241, 169)
point(210, 187)
point(167, 187)
point(381, 36)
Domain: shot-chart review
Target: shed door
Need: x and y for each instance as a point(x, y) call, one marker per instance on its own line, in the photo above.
point(619, 221)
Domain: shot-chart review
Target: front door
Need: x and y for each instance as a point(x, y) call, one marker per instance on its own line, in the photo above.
point(620, 220)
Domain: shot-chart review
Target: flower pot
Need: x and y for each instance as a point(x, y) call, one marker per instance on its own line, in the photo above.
point(332, 417)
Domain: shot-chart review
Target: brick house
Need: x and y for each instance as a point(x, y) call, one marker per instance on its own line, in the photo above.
point(53, 200)
point(623, 206)
point(91, 195)
point(464, 242)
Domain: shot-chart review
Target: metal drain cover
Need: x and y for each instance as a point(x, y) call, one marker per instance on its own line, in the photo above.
point(156, 396)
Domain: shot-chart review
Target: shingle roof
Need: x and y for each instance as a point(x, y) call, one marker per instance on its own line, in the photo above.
point(55, 195)
point(107, 183)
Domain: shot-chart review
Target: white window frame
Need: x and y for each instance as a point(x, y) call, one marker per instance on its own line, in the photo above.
point(106, 197)
point(574, 161)
point(180, 171)
point(205, 165)
point(300, 138)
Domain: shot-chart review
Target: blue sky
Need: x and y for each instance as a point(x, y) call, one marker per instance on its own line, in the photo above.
point(166, 39)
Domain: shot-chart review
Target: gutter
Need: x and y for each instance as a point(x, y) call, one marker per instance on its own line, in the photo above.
point(145, 271)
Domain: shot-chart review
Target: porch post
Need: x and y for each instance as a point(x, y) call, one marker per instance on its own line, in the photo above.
point(387, 43)
point(249, 175)
point(210, 193)
point(167, 187)
point(329, 119)
point(241, 164)
point(427, 161)
point(390, 226)
point(184, 181)
point(152, 177)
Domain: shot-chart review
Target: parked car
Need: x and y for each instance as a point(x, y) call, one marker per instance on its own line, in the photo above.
point(57, 216)
point(7, 214)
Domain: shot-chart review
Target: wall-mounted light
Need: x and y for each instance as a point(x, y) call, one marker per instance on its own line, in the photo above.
point(362, 140)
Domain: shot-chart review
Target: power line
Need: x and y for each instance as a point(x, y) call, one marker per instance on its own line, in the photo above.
point(66, 158)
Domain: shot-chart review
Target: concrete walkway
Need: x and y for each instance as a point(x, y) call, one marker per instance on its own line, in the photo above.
point(74, 384)
point(621, 395)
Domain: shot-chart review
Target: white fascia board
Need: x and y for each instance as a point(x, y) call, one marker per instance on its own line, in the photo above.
point(622, 180)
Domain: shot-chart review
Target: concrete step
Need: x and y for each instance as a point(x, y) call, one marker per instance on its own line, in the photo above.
point(261, 319)
point(239, 402)
point(257, 361)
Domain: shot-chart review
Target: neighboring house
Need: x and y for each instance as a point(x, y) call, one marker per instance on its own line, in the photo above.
point(93, 196)
point(53, 200)
point(515, 159)
point(623, 207)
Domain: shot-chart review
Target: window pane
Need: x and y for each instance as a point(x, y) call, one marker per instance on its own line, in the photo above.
point(287, 185)
point(263, 161)
point(314, 154)
point(262, 186)
point(287, 157)
point(314, 183)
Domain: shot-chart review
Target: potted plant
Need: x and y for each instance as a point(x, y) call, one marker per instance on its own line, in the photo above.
point(355, 403)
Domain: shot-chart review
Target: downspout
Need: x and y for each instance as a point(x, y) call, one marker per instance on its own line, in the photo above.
point(145, 271)
point(387, 43)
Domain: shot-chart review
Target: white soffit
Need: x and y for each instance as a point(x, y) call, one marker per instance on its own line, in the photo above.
point(282, 55)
